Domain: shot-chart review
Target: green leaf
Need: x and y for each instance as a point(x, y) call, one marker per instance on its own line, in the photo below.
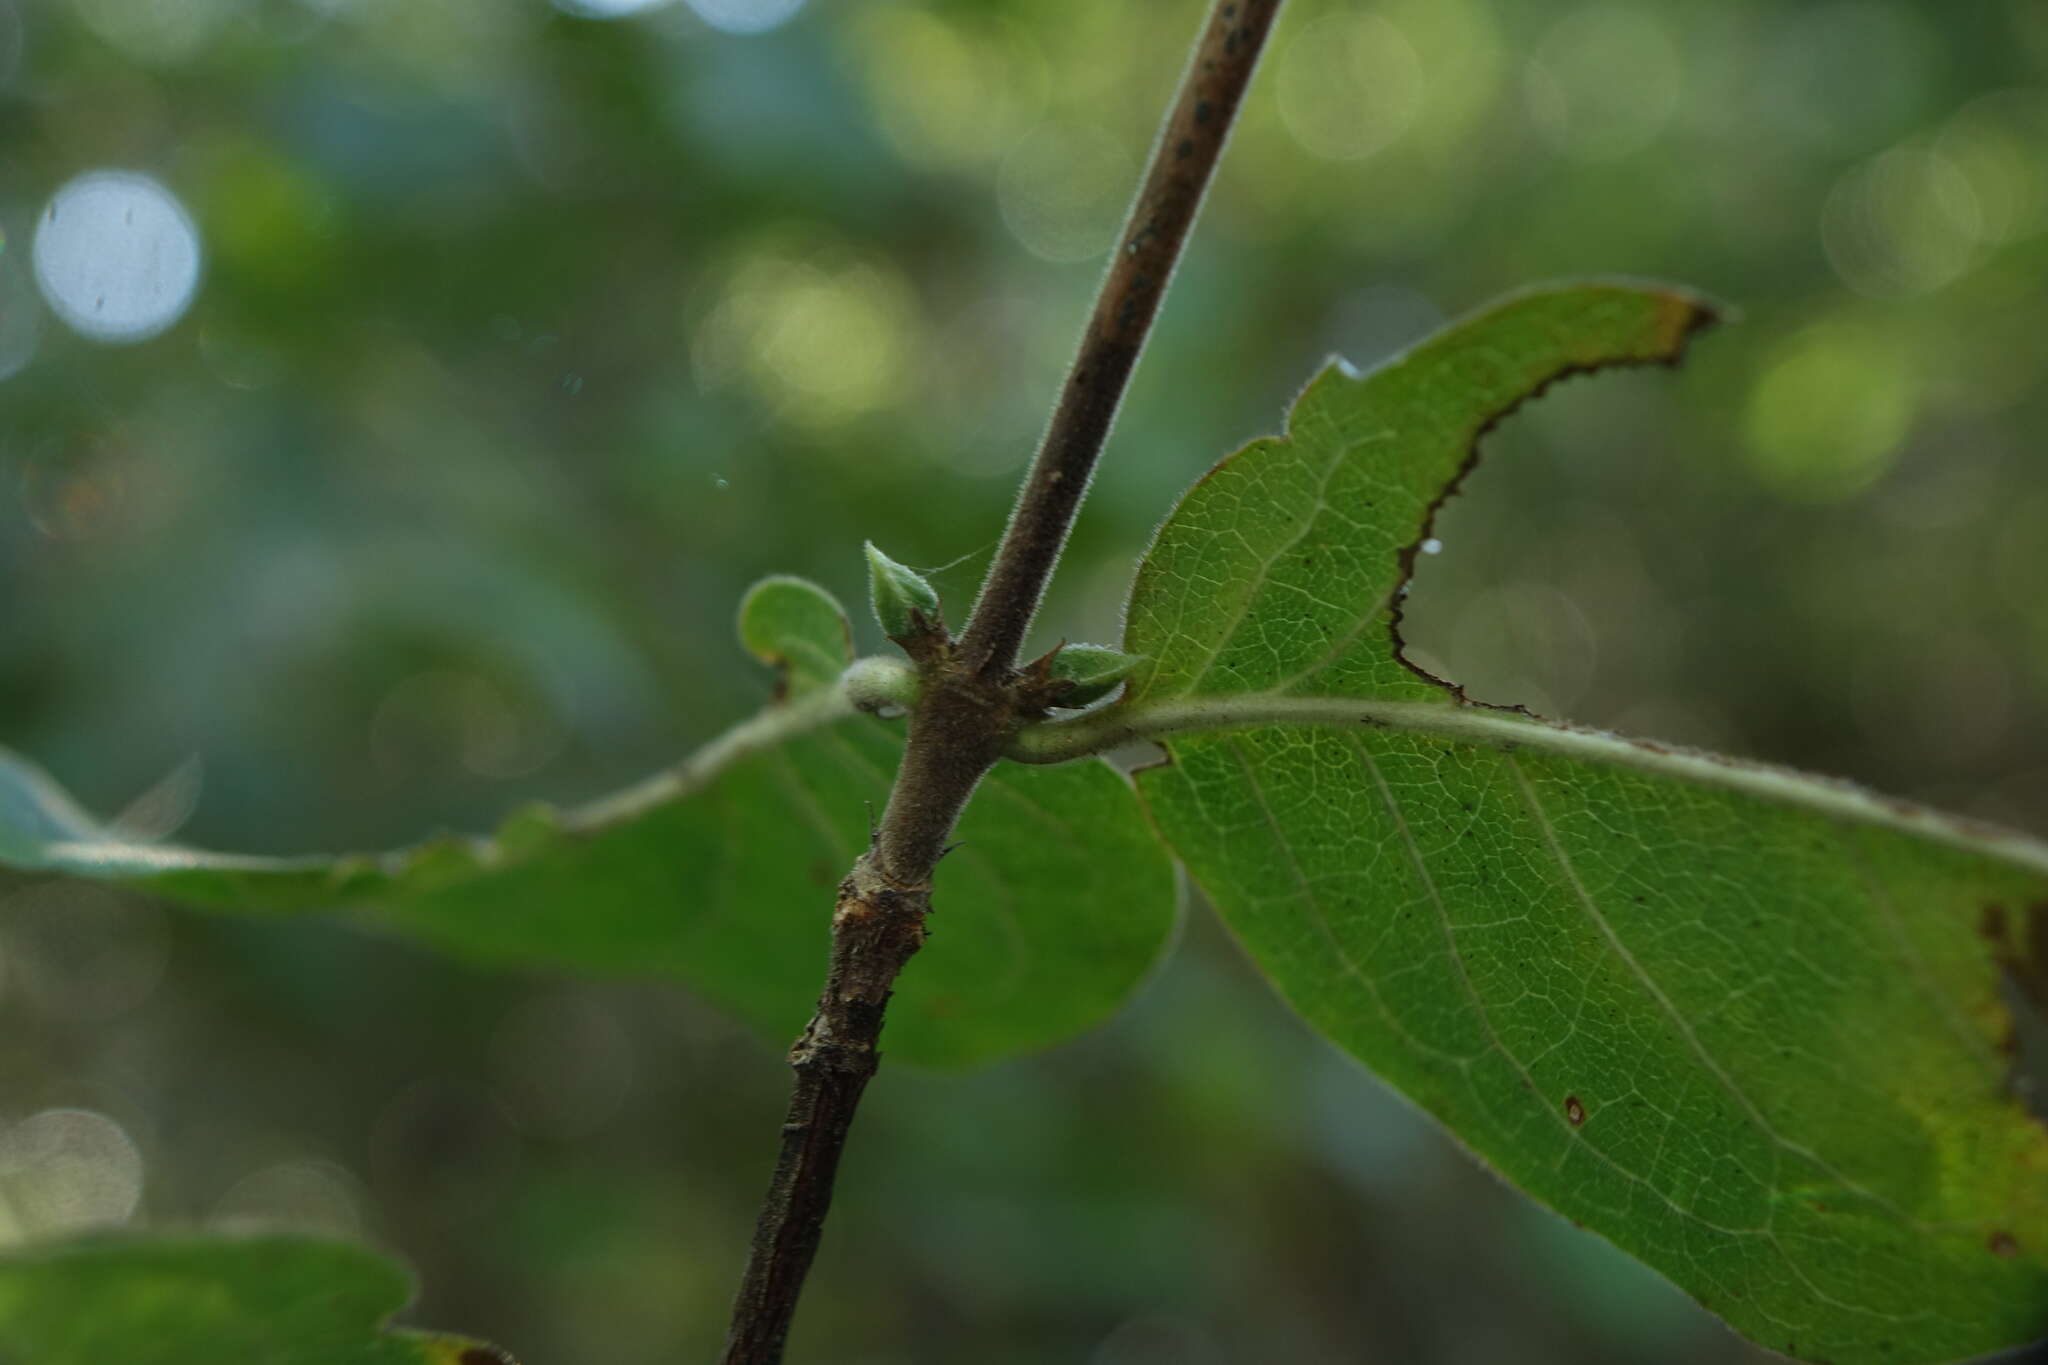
point(795, 627)
point(213, 1301)
point(1745, 1023)
point(721, 872)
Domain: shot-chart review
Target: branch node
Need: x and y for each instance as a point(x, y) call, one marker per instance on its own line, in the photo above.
point(969, 700)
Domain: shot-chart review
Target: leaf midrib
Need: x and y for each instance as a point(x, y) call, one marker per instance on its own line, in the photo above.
point(1497, 728)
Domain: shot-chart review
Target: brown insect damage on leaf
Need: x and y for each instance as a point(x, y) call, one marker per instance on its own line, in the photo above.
point(2019, 945)
point(1574, 1111)
point(2022, 951)
point(1680, 317)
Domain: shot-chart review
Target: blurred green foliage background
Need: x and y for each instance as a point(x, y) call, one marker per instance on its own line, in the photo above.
point(523, 338)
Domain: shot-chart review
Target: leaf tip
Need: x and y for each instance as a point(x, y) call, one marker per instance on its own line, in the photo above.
point(1683, 315)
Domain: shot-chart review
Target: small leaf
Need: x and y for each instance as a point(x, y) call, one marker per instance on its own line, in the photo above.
point(191, 1300)
point(1746, 1023)
point(904, 601)
point(720, 872)
point(797, 628)
point(1090, 672)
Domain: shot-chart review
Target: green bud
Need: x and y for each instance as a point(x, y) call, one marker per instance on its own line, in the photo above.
point(877, 684)
point(1090, 672)
point(897, 592)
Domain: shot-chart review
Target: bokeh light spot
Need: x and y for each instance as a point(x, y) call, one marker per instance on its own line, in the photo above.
point(64, 1170)
point(117, 256)
point(1903, 223)
point(1459, 45)
point(158, 33)
point(976, 89)
point(1062, 192)
point(299, 1196)
point(1348, 85)
point(1999, 145)
point(607, 9)
point(1604, 82)
point(746, 16)
point(1828, 416)
point(823, 337)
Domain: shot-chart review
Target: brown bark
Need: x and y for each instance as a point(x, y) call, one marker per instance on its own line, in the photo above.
point(971, 698)
point(876, 927)
point(1183, 162)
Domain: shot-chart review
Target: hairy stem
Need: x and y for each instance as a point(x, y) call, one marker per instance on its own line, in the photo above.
point(1183, 162)
point(970, 701)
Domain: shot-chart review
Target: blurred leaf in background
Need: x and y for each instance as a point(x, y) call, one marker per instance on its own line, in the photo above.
point(484, 351)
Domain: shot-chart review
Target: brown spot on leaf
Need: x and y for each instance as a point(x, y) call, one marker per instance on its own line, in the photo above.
point(1574, 1112)
point(1678, 317)
point(2019, 946)
point(2003, 1245)
point(2023, 956)
point(1992, 923)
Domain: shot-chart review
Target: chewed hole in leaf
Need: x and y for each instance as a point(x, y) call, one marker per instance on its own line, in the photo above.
point(1530, 588)
point(1774, 980)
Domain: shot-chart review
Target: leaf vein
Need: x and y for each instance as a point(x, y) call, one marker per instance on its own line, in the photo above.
point(1678, 1021)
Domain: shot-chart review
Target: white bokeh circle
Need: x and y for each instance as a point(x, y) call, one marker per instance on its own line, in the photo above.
point(116, 256)
point(745, 16)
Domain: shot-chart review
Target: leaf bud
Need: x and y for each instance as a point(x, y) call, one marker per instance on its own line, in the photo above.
point(905, 604)
point(880, 686)
point(1088, 673)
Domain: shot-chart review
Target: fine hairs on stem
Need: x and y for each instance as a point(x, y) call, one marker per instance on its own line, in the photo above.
point(971, 699)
